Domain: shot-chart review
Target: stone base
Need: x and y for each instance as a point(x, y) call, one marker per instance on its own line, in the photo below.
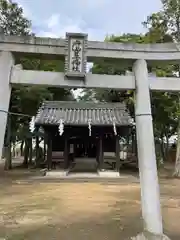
point(149, 236)
point(108, 174)
point(57, 174)
point(83, 175)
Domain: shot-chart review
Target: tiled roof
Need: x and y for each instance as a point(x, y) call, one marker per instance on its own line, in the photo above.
point(80, 113)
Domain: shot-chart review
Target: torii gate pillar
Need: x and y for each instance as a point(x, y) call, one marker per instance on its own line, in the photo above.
point(6, 64)
point(150, 196)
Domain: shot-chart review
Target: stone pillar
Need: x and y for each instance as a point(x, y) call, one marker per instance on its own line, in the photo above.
point(6, 64)
point(150, 197)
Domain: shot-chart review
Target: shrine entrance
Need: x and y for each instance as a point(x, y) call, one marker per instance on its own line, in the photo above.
point(86, 134)
point(75, 50)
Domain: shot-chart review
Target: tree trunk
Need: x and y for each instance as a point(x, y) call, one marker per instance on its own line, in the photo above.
point(22, 146)
point(167, 148)
point(30, 152)
point(177, 163)
point(163, 155)
point(26, 153)
point(14, 150)
point(45, 143)
point(8, 156)
point(164, 149)
point(37, 152)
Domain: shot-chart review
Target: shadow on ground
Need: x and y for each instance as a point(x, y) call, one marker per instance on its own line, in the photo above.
point(31, 210)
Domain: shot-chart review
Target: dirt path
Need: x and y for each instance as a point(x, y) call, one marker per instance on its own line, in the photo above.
point(66, 211)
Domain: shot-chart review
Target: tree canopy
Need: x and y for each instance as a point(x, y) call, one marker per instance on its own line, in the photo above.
point(26, 99)
point(161, 27)
point(13, 22)
point(164, 105)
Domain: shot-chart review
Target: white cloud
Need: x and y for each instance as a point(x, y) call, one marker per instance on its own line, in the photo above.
point(61, 33)
point(53, 21)
point(94, 3)
point(27, 12)
point(95, 17)
point(47, 34)
point(59, 25)
point(70, 28)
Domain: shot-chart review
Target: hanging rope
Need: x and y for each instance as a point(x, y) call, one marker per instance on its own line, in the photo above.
point(16, 114)
point(32, 125)
point(61, 127)
point(89, 126)
point(114, 126)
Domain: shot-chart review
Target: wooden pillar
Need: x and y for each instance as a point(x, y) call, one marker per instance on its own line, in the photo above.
point(30, 150)
point(101, 153)
point(97, 151)
point(66, 153)
point(134, 143)
point(136, 151)
point(49, 152)
point(117, 154)
point(45, 143)
point(37, 148)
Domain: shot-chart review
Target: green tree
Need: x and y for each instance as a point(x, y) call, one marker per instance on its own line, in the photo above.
point(171, 13)
point(170, 16)
point(163, 104)
point(157, 26)
point(171, 10)
point(13, 22)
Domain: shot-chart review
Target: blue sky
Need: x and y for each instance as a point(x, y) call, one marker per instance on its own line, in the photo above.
point(95, 17)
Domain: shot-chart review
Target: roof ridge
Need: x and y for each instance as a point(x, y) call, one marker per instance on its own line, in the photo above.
point(101, 113)
point(83, 103)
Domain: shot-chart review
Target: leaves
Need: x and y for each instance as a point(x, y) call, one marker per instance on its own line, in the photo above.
point(171, 12)
point(164, 105)
point(12, 21)
point(26, 99)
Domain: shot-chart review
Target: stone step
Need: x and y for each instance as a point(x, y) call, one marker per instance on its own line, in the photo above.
point(108, 174)
point(84, 165)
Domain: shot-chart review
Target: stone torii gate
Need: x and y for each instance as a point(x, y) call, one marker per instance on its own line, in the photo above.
point(76, 51)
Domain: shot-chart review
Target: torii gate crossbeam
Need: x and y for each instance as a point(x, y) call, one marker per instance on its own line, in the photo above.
point(57, 79)
point(76, 51)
